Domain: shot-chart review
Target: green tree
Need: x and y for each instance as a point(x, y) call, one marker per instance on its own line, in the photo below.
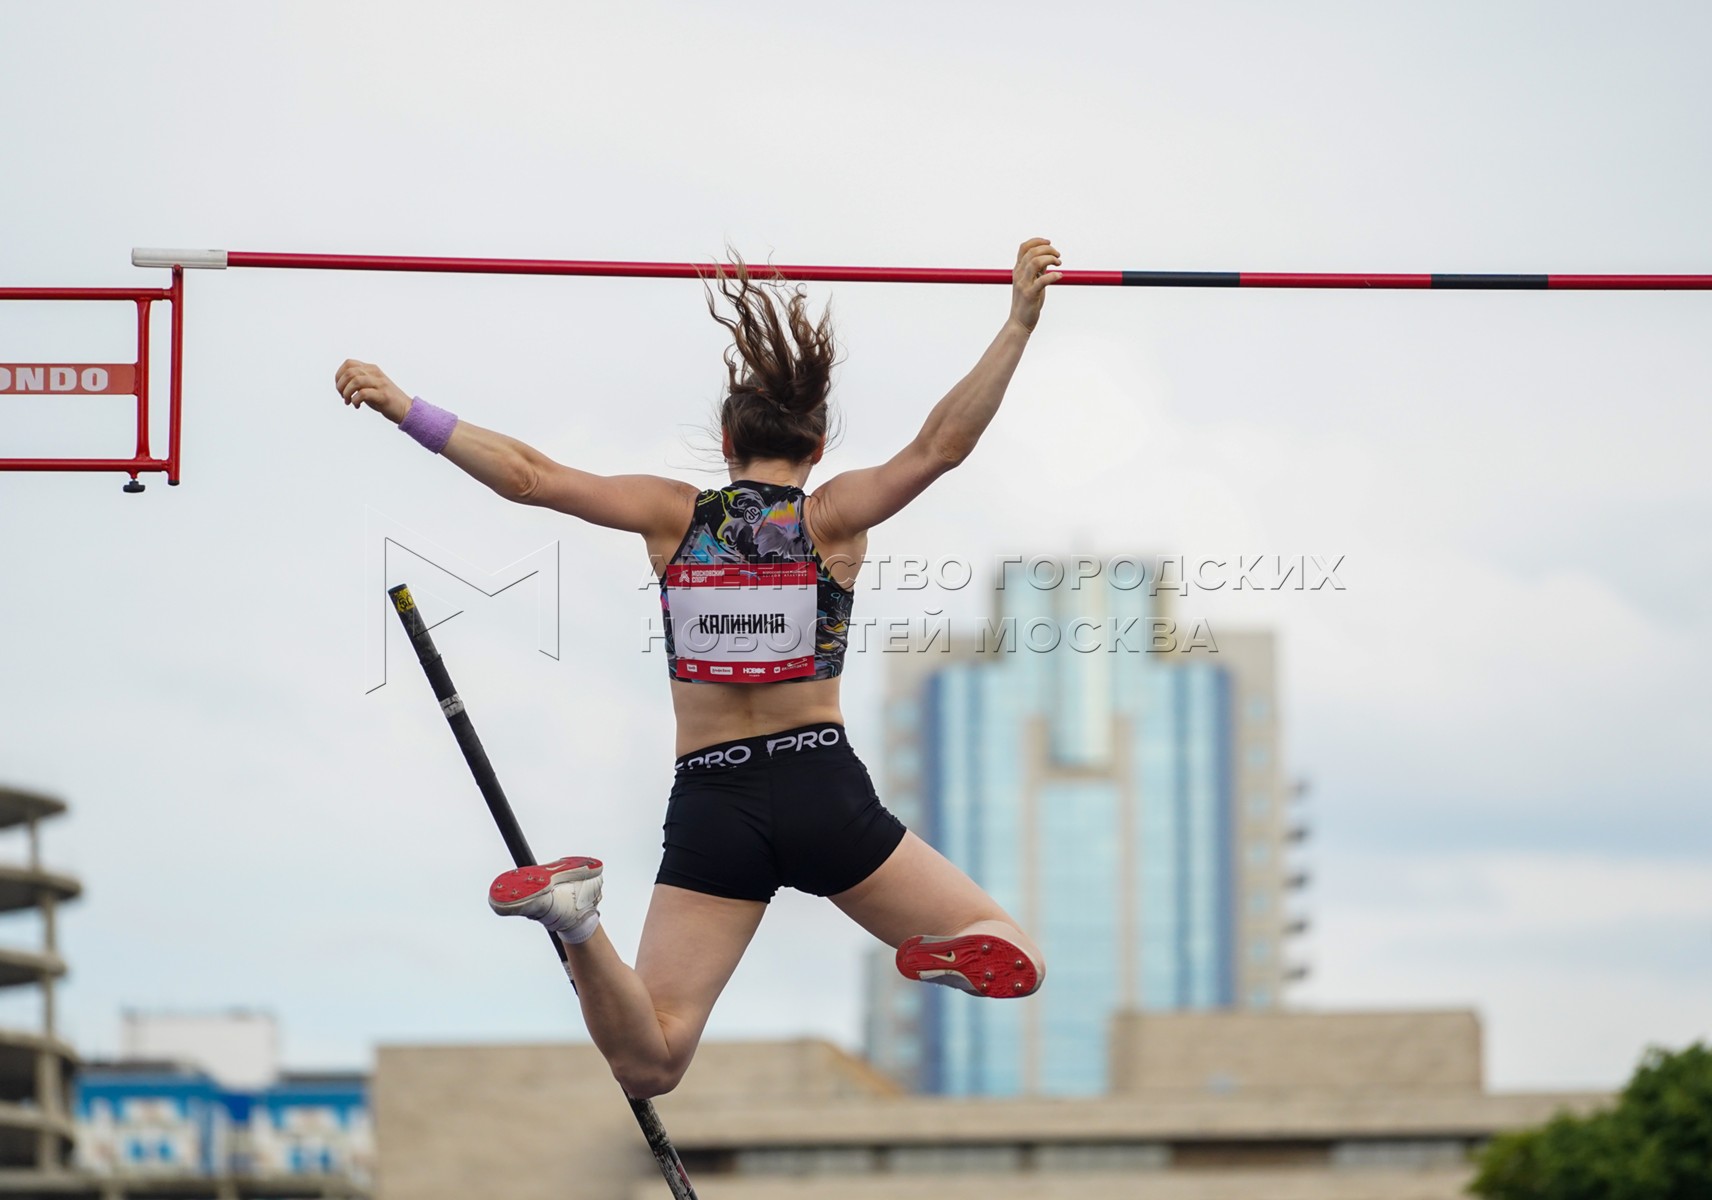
point(1654, 1144)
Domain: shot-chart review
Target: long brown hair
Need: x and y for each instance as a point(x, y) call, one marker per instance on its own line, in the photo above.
point(779, 366)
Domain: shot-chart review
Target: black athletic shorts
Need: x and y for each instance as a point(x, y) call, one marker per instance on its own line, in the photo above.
point(788, 809)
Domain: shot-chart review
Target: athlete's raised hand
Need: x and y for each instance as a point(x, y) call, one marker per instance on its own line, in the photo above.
point(363, 383)
point(1033, 275)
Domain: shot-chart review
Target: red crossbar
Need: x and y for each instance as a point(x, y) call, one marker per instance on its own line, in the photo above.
point(972, 275)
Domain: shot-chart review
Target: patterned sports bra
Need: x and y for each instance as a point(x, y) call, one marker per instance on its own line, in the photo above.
point(746, 598)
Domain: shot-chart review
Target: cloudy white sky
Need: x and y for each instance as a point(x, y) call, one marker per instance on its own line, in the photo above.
point(1503, 714)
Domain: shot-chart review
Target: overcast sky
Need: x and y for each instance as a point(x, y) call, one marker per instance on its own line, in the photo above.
point(1503, 714)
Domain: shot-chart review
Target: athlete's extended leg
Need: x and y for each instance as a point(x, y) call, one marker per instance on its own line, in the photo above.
point(648, 1020)
point(916, 897)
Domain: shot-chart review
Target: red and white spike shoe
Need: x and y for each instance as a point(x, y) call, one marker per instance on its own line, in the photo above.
point(979, 964)
point(563, 895)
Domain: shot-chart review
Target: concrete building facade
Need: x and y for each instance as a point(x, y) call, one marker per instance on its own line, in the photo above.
point(36, 1067)
point(1207, 1106)
point(168, 1130)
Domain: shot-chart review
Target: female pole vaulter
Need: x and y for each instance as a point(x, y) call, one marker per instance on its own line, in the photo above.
point(756, 582)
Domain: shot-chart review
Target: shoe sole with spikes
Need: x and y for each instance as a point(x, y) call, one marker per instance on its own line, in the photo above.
point(518, 891)
point(979, 964)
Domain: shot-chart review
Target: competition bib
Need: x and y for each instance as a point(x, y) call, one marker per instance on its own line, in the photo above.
point(742, 622)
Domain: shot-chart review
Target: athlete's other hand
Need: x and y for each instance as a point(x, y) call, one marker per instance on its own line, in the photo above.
point(363, 383)
point(1033, 275)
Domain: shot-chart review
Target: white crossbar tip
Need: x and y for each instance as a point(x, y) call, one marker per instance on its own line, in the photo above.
point(196, 259)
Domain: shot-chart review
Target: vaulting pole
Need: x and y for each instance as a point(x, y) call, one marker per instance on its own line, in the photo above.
point(221, 259)
point(665, 1154)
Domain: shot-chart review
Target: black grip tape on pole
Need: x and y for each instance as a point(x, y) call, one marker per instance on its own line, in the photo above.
point(653, 1131)
point(453, 707)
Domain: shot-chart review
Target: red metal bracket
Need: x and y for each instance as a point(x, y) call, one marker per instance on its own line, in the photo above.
point(107, 379)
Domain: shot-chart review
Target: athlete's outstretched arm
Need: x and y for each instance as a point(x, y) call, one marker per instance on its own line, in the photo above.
point(645, 504)
point(855, 501)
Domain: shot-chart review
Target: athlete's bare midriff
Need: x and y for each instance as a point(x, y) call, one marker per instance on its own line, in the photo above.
point(710, 713)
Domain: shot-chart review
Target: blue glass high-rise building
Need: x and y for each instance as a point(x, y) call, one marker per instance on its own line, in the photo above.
point(1118, 792)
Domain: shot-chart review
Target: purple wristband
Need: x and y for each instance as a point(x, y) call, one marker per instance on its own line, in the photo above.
point(429, 425)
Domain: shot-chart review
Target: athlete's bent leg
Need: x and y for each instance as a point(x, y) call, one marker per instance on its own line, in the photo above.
point(918, 897)
point(691, 943)
point(648, 1020)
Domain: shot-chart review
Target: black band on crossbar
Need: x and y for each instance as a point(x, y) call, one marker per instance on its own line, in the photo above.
point(1520, 283)
point(1182, 279)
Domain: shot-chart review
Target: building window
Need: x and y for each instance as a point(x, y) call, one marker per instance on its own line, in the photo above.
point(1260, 951)
point(954, 1158)
point(1259, 854)
point(1415, 1154)
point(1259, 755)
point(1259, 708)
point(809, 1160)
point(1260, 997)
point(1259, 903)
point(1259, 806)
point(1136, 1156)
